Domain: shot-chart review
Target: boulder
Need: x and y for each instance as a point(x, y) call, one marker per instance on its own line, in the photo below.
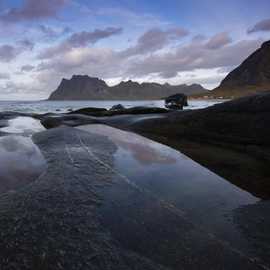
point(90, 111)
point(53, 121)
point(176, 102)
point(134, 110)
point(117, 107)
point(143, 110)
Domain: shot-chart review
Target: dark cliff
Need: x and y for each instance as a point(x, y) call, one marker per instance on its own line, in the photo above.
point(88, 88)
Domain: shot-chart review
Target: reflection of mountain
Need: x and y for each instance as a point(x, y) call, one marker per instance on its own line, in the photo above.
point(87, 88)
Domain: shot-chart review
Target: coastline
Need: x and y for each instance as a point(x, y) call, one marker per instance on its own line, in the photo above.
point(239, 159)
point(111, 187)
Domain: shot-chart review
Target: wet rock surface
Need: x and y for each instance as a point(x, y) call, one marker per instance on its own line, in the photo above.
point(231, 139)
point(53, 223)
point(21, 162)
point(237, 130)
point(86, 212)
point(253, 220)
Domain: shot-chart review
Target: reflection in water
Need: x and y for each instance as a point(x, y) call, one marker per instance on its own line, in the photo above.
point(130, 144)
point(20, 162)
point(204, 197)
point(23, 125)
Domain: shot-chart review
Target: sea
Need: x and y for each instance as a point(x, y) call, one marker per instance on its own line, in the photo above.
point(45, 106)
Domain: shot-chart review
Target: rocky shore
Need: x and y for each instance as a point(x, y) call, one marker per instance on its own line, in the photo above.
point(99, 196)
point(231, 139)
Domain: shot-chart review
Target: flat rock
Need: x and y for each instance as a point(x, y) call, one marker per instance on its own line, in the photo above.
point(114, 200)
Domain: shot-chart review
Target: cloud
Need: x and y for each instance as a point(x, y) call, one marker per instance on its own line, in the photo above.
point(7, 53)
point(218, 41)
point(53, 32)
point(94, 61)
point(168, 74)
point(4, 76)
point(124, 15)
point(155, 39)
point(194, 56)
point(79, 39)
point(263, 25)
point(151, 62)
point(71, 56)
point(10, 52)
point(26, 44)
point(33, 9)
point(27, 68)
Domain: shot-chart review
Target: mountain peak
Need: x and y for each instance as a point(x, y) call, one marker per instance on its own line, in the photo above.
point(83, 87)
point(266, 44)
point(251, 76)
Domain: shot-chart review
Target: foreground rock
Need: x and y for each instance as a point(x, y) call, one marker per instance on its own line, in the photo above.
point(72, 120)
point(90, 210)
point(232, 138)
point(95, 115)
point(90, 111)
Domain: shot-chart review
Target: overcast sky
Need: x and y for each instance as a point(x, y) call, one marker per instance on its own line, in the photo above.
point(175, 41)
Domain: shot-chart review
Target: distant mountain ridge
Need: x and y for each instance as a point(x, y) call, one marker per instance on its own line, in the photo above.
point(252, 76)
point(83, 87)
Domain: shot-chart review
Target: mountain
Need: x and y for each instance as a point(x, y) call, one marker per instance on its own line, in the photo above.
point(252, 76)
point(83, 87)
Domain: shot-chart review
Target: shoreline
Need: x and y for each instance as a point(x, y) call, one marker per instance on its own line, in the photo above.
point(129, 201)
point(234, 154)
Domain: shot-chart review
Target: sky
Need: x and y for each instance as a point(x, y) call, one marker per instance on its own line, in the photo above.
point(174, 41)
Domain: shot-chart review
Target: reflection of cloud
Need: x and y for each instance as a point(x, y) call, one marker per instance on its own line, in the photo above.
point(142, 149)
point(20, 162)
point(144, 153)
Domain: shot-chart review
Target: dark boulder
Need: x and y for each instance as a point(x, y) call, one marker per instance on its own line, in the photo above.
point(92, 111)
point(53, 121)
point(117, 107)
point(176, 102)
point(143, 110)
point(134, 110)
